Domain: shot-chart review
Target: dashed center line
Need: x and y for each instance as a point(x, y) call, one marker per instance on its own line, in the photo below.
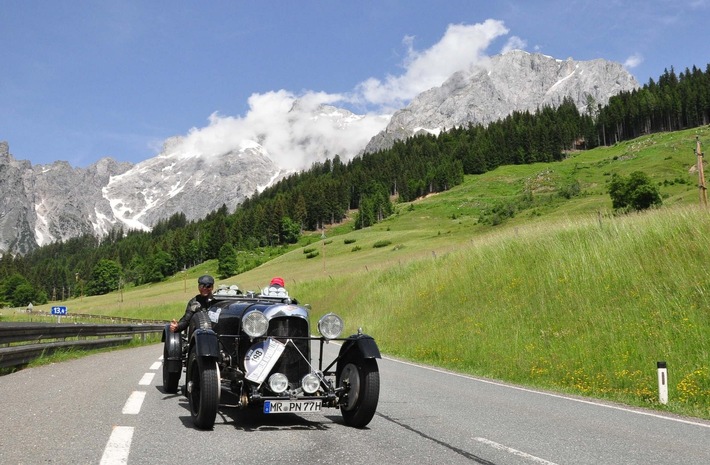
point(146, 379)
point(134, 403)
point(119, 444)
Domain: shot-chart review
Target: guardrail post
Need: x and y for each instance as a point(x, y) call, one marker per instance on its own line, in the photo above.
point(662, 383)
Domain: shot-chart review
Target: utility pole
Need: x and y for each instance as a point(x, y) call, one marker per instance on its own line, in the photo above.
point(701, 174)
point(323, 237)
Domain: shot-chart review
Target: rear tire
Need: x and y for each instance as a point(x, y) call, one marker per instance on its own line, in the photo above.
point(171, 380)
point(203, 390)
point(172, 361)
point(361, 377)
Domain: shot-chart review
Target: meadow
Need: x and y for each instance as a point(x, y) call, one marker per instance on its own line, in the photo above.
point(522, 274)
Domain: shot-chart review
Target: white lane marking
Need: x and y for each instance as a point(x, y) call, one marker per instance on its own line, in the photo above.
point(119, 443)
point(118, 446)
point(558, 396)
point(510, 450)
point(146, 379)
point(134, 403)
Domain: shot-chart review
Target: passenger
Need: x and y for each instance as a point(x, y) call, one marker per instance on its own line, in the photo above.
point(276, 288)
point(203, 300)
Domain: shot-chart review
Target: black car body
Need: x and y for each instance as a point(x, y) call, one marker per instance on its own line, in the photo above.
point(258, 347)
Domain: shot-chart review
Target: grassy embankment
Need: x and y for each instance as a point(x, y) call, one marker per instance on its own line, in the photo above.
point(562, 296)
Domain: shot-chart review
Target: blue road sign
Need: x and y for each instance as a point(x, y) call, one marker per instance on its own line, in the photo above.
point(59, 310)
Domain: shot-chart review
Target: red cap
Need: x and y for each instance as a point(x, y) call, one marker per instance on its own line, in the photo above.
point(278, 281)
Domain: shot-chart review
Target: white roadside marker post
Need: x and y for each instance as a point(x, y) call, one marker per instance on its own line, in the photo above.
point(662, 383)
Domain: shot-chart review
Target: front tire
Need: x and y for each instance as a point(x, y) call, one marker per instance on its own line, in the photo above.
point(361, 380)
point(203, 390)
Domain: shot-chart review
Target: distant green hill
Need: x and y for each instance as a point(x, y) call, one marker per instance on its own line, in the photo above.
point(521, 274)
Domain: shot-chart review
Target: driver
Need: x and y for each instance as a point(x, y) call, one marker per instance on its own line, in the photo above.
point(203, 300)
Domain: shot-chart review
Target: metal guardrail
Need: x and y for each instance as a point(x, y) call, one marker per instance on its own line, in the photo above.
point(46, 316)
point(29, 338)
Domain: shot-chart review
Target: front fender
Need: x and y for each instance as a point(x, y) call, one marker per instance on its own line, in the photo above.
point(205, 342)
point(360, 343)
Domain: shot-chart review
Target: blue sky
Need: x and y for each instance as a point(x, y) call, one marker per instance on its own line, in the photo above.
point(82, 80)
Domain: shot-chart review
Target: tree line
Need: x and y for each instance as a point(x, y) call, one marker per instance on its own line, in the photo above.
point(672, 103)
point(370, 184)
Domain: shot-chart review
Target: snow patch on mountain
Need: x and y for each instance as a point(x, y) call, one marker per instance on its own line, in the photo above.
point(42, 235)
point(177, 181)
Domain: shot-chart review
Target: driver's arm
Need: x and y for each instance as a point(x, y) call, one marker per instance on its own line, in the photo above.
point(192, 307)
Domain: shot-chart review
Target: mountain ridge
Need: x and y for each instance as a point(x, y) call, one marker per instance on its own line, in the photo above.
point(514, 81)
point(47, 203)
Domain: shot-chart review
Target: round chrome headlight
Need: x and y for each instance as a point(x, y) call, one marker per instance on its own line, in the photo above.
point(278, 383)
point(255, 324)
point(310, 383)
point(330, 326)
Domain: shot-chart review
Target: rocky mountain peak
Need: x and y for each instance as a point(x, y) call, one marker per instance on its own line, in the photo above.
point(514, 81)
point(180, 180)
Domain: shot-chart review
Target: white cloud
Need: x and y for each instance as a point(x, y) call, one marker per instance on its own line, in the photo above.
point(461, 47)
point(288, 125)
point(514, 43)
point(633, 61)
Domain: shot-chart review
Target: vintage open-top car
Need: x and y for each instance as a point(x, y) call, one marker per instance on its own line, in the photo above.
point(258, 347)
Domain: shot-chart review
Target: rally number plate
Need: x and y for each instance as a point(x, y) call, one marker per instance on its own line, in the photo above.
point(292, 406)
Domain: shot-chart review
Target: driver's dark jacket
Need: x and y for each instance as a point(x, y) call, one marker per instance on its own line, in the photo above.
point(197, 303)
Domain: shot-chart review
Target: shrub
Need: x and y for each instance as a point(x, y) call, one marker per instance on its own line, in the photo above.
point(570, 190)
point(382, 243)
point(636, 192)
point(348, 241)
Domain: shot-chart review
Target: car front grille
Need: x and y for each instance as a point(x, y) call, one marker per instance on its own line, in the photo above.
point(292, 363)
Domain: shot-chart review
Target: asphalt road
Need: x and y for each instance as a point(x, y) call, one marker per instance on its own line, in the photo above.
point(110, 408)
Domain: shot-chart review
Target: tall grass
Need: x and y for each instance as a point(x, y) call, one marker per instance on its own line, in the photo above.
point(586, 306)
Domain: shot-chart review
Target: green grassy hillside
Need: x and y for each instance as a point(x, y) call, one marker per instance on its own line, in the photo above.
point(521, 274)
